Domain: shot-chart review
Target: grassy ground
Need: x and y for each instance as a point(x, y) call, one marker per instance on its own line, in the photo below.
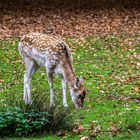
point(111, 68)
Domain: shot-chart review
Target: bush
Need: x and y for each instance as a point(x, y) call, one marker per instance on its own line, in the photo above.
point(36, 119)
point(61, 118)
point(14, 121)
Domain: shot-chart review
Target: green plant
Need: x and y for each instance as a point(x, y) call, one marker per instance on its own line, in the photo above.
point(35, 119)
point(61, 119)
point(15, 121)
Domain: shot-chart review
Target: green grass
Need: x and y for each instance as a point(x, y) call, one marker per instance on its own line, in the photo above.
point(110, 66)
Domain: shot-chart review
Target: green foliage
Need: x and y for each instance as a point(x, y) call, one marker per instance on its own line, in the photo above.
point(61, 119)
point(15, 121)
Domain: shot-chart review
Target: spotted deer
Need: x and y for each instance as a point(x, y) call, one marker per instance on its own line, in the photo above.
point(39, 50)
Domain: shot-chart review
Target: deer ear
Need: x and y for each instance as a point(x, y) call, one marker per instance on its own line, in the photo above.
point(77, 82)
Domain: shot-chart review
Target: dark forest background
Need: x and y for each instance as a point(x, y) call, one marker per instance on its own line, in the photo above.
point(76, 18)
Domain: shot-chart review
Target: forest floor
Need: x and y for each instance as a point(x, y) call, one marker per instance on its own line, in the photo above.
point(71, 18)
point(110, 66)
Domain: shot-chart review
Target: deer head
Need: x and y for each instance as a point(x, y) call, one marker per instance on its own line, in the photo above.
point(78, 92)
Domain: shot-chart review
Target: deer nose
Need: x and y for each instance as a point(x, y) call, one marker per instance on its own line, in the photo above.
point(80, 104)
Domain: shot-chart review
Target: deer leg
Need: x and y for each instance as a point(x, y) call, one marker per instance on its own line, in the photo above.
point(31, 68)
point(73, 98)
point(64, 92)
point(50, 81)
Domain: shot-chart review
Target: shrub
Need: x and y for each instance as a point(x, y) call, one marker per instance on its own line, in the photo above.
point(61, 118)
point(35, 119)
point(15, 121)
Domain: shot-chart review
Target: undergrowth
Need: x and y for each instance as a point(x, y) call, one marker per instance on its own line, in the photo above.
point(36, 119)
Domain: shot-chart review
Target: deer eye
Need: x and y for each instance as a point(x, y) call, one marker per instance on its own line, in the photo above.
point(81, 96)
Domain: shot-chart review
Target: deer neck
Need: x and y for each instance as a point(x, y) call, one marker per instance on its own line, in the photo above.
point(69, 74)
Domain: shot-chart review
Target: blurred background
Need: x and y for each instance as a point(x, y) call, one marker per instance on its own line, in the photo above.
point(70, 18)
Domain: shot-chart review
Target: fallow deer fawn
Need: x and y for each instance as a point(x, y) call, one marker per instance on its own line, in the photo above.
point(39, 50)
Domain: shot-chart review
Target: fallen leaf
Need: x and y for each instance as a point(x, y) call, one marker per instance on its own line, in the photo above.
point(85, 138)
point(80, 128)
point(136, 89)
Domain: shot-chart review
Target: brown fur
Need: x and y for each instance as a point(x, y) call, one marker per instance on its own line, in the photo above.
point(56, 47)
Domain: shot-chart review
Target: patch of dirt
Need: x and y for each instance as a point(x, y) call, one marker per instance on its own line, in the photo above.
point(73, 18)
